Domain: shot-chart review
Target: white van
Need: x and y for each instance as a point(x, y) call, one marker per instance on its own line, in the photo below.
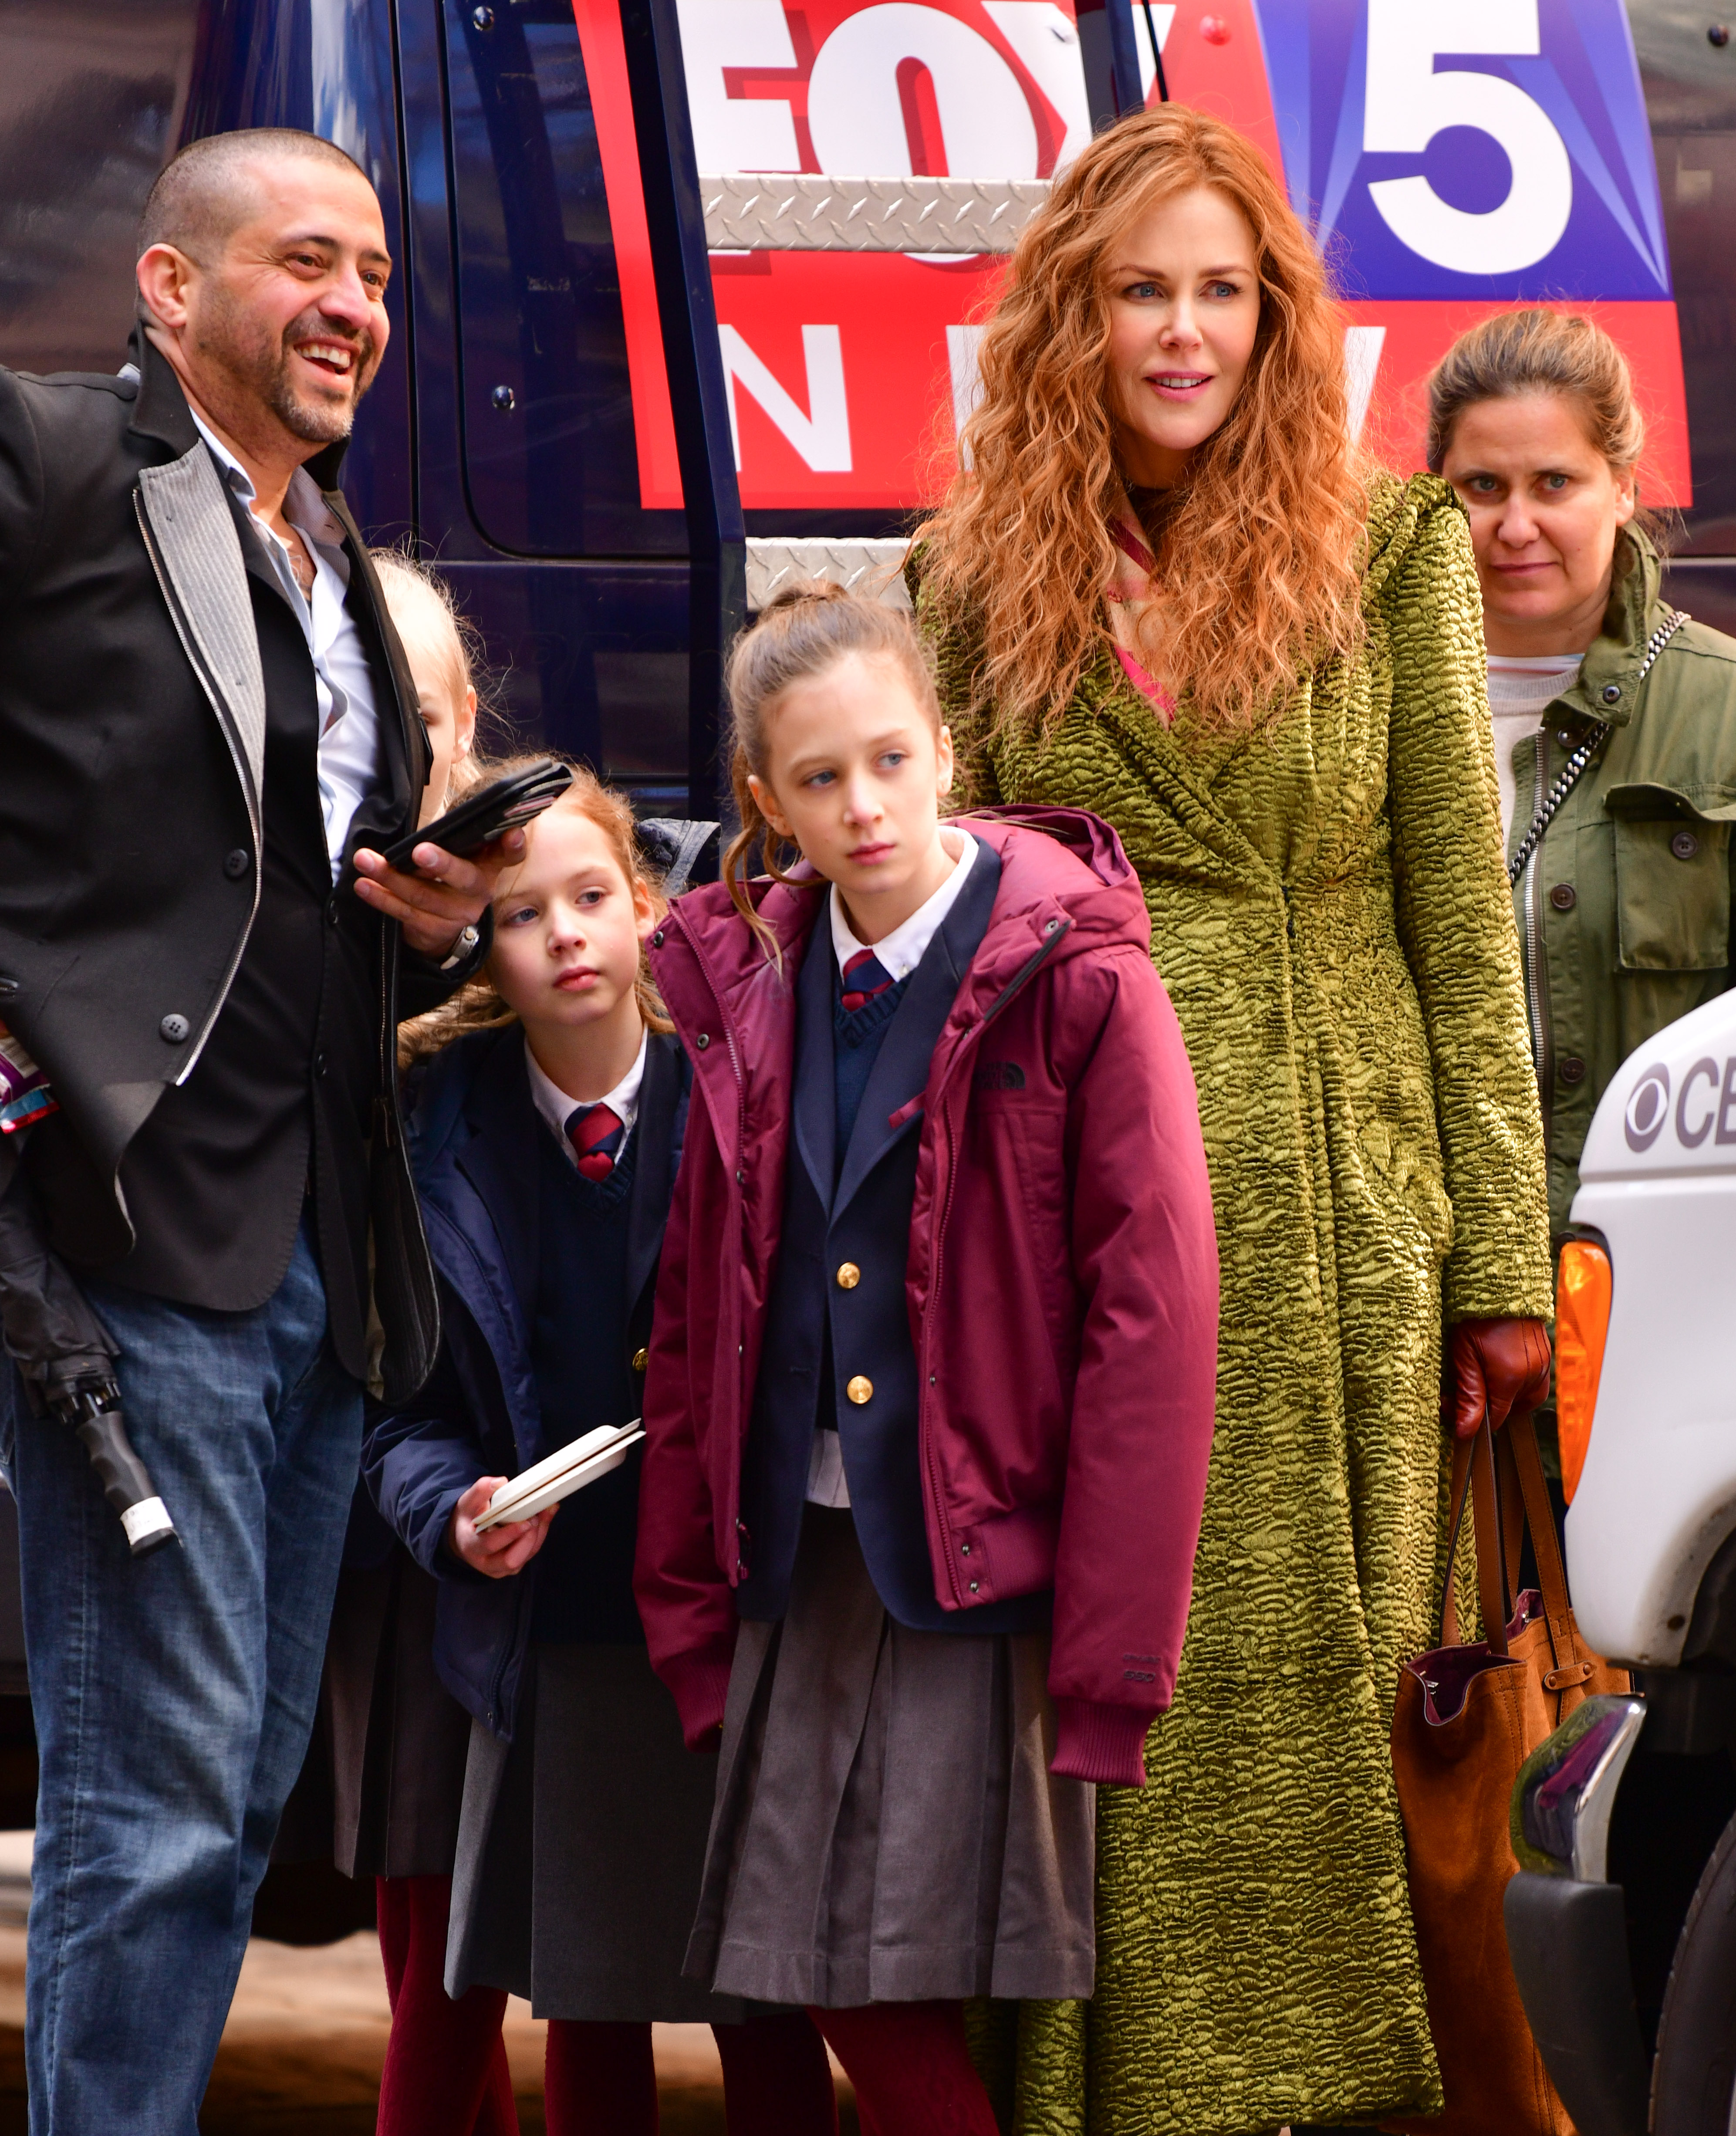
point(1622, 1923)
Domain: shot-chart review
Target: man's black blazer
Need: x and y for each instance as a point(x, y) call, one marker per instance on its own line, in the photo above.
point(132, 744)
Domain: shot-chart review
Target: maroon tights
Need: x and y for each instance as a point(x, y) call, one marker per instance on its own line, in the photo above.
point(912, 2073)
point(446, 2072)
point(599, 2080)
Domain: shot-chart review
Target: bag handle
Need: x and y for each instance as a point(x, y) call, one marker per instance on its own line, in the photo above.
point(1492, 1567)
point(1473, 1476)
point(1499, 1520)
point(1455, 1521)
point(1571, 1666)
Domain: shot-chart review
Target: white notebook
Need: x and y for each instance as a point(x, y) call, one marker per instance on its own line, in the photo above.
point(564, 1472)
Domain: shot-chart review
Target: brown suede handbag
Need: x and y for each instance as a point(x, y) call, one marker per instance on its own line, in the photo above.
point(1466, 1719)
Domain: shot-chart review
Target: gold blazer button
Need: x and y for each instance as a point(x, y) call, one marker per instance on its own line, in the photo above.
point(860, 1389)
point(849, 1276)
point(641, 1359)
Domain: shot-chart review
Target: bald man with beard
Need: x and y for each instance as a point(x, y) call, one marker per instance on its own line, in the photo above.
point(208, 731)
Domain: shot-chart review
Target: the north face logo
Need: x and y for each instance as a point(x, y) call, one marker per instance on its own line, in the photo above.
point(1000, 1075)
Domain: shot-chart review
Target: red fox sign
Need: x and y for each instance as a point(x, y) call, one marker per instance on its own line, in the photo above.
point(1452, 158)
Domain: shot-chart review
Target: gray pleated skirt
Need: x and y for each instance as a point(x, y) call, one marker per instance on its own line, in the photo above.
point(398, 1734)
point(380, 1789)
point(887, 1828)
point(580, 1847)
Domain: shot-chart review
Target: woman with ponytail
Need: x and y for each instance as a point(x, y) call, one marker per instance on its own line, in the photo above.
point(1165, 587)
point(1624, 898)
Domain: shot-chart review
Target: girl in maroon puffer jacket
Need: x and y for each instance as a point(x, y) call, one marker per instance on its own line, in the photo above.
point(929, 1401)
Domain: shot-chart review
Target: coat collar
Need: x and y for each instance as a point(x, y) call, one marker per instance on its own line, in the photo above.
point(1637, 609)
point(159, 408)
point(1062, 873)
point(1065, 888)
point(160, 411)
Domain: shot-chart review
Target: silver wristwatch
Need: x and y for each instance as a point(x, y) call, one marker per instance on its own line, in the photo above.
point(462, 947)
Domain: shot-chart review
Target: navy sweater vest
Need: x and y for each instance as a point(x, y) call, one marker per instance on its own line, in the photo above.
point(850, 1184)
point(584, 1572)
point(856, 1046)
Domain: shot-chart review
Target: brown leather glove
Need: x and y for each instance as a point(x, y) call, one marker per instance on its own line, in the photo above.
point(1499, 1364)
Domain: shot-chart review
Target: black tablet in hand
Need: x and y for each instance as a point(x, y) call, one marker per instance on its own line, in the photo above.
point(491, 810)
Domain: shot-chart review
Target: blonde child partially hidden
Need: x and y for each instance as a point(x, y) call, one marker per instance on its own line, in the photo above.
point(546, 1137)
point(440, 646)
point(398, 1738)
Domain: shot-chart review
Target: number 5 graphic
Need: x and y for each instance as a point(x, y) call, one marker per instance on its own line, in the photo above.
point(1406, 104)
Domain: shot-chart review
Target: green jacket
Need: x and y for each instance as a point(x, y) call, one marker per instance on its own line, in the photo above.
point(1624, 910)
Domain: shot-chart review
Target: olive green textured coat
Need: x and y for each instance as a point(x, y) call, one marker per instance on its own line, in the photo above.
point(1330, 915)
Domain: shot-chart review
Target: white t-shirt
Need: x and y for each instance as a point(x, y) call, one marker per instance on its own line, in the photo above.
point(1520, 691)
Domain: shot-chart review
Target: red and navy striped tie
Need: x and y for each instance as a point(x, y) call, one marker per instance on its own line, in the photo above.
point(595, 1133)
point(865, 976)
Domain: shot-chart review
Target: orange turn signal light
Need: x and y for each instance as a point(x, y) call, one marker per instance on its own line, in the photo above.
point(1583, 1290)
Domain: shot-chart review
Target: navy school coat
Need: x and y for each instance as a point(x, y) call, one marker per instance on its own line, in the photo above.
point(472, 1133)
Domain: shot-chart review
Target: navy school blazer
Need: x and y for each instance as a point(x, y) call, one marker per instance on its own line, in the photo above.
point(472, 1130)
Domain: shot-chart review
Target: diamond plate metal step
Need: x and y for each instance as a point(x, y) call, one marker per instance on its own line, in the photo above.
point(867, 567)
point(760, 211)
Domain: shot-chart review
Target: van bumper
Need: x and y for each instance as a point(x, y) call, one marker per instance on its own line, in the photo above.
point(1568, 1945)
point(1566, 1930)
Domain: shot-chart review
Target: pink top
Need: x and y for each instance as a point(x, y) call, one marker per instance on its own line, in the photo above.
point(1148, 686)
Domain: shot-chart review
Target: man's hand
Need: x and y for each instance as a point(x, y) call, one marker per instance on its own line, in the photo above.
point(501, 1551)
point(1500, 1366)
point(445, 895)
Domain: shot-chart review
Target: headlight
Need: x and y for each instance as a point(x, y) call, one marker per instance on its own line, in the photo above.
point(1583, 1293)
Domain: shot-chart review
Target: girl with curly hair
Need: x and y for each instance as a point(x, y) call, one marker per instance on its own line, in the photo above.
point(1164, 586)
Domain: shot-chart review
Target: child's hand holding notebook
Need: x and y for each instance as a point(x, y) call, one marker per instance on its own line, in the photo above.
point(567, 1470)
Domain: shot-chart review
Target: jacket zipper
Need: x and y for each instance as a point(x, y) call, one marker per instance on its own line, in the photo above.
point(220, 710)
point(743, 1398)
point(727, 1028)
point(1537, 986)
point(924, 1437)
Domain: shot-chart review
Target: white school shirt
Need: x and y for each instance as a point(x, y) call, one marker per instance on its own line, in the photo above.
point(557, 1107)
point(349, 726)
point(899, 955)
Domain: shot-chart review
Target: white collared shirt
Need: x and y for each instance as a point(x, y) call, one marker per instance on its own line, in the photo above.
point(557, 1107)
point(898, 955)
point(349, 727)
point(905, 947)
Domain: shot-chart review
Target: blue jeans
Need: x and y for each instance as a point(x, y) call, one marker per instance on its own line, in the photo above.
point(174, 1695)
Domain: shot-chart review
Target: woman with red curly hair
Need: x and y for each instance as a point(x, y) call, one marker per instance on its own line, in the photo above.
point(1165, 587)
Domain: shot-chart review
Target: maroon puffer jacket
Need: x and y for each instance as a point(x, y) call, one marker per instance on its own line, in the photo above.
point(1062, 1282)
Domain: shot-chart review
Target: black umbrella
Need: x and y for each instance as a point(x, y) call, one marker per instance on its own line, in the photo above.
point(67, 1357)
